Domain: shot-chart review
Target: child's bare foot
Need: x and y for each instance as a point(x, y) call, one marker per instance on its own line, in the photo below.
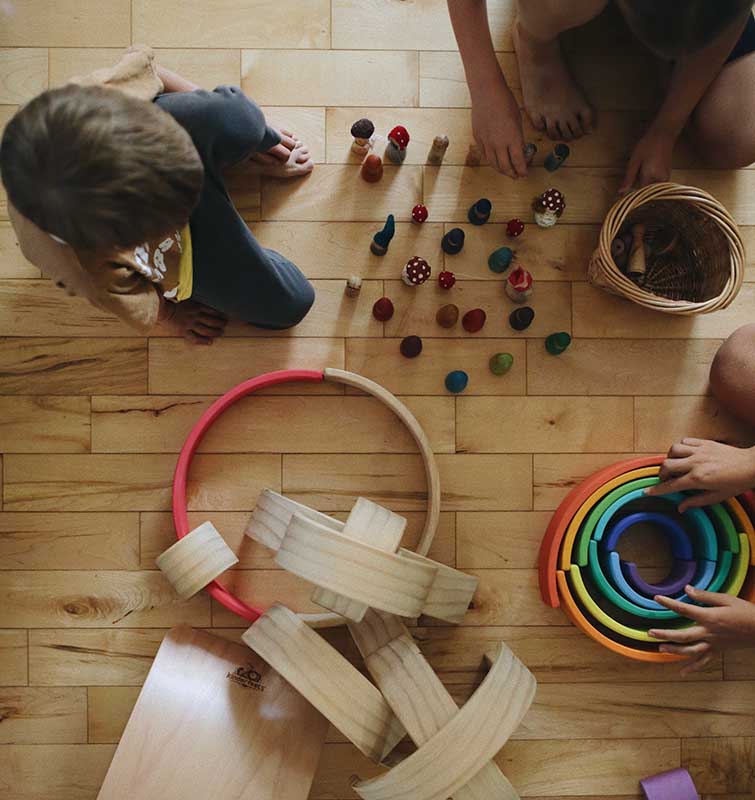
point(552, 99)
point(289, 159)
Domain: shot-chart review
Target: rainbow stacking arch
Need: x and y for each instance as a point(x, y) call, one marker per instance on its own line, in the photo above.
point(581, 571)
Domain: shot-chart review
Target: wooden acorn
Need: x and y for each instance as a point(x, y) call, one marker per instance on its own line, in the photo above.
point(419, 213)
point(416, 271)
point(548, 207)
point(519, 285)
point(362, 131)
point(479, 212)
point(372, 168)
point(501, 363)
point(556, 157)
point(381, 240)
point(474, 156)
point(353, 286)
point(447, 316)
point(474, 320)
point(382, 310)
point(556, 343)
point(530, 150)
point(500, 260)
point(521, 318)
point(438, 150)
point(398, 141)
point(446, 279)
point(457, 381)
point(514, 227)
point(411, 346)
point(453, 242)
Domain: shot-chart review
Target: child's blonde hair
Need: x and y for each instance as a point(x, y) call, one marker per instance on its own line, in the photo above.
point(99, 169)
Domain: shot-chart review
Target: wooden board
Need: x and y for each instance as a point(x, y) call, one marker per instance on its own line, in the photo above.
point(214, 720)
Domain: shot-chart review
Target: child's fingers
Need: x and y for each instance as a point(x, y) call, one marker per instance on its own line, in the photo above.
point(516, 156)
point(689, 650)
point(207, 330)
point(211, 312)
point(673, 466)
point(709, 598)
point(679, 635)
point(630, 176)
point(702, 499)
point(671, 485)
point(697, 664)
point(695, 613)
point(195, 338)
point(214, 323)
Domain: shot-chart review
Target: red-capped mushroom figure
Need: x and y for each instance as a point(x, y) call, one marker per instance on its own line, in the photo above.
point(416, 271)
point(398, 140)
point(519, 285)
point(548, 207)
point(362, 131)
point(446, 279)
point(515, 227)
point(419, 213)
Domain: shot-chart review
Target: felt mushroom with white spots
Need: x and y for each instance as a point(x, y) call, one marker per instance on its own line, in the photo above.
point(398, 141)
point(416, 271)
point(548, 207)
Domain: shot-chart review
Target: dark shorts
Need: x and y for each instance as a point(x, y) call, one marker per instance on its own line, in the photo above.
point(232, 272)
point(746, 43)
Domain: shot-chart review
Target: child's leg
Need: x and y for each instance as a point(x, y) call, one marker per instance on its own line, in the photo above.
point(732, 374)
point(552, 99)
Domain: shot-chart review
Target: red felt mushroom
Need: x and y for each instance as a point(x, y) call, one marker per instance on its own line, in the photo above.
point(548, 207)
point(399, 136)
point(419, 213)
point(515, 227)
point(519, 285)
point(416, 271)
point(446, 279)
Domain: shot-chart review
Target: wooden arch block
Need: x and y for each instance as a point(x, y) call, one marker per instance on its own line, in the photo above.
point(461, 748)
point(421, 701)
point(196, 560)
point(330, 683)
point(272, 515)
point(451, 593)
point(354, 569)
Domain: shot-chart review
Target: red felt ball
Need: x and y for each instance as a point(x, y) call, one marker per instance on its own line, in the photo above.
point(446, 279)
point(411, 346)
point(515, 227)
point(383, 309)
point(419, 213)
point(473, 320)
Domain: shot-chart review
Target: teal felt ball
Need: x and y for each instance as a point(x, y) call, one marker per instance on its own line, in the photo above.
point(457, 381)
point(500, 260)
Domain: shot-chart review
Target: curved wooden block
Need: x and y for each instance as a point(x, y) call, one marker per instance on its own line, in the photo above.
point(192, 562)
point(333, 686)
point(417, 695)
point(273, 512)
point(368, 522)
point(454, 755)
point(357, 570)
point(451, 593)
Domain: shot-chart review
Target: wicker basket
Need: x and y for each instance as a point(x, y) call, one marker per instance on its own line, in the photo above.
point(702, 272)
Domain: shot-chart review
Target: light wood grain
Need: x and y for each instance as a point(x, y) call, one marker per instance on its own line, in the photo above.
point(508, 596)
point(260, 424)
point(14, 658)
point(510, 539)
point(95, 657)
point(334, 190)
point(43, 716)
point(739, 664)
point(540, 424)
point(468, 481)
point(73, 366)
point(320, 77)
point(23, 74)
point(720, 765)
point(611, 367)
point(177, 367)
point(108, 710)
point(69, 540)
point(82, 599)
point(44, 424)
point(381, 360)
point(48, 23)
point(133, 482)
point(12, 263)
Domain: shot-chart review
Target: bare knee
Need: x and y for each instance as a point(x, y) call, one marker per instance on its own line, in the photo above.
point(732, 374)
point(722, 149)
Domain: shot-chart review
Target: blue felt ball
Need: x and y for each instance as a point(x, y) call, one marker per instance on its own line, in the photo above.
point(457, 381)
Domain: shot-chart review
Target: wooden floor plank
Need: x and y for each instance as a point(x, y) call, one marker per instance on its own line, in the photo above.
point(44, 424)
point(106, 657)
point(43, 716)
point(720, 765)
point(69, 541)
point(23, 74)
point(543, 424)
point(107, 482)
point(381, 360)
point(14, 658)
point(306, 123)
point(12, 263)
point(320, 77)
point(83, 599)
point(108, 710)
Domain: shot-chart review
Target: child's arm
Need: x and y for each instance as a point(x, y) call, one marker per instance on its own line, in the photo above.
point(651, 159)
point(173, 82)
point(729, 621)
point(496, 120)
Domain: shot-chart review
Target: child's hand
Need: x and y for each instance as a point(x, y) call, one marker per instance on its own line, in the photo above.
point(718, 470)
point(497, 126)
point(729, 621)
point(650, 161)
point(197, 323)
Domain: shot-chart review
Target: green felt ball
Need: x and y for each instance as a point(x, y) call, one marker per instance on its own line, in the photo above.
point(501, 363)
point(457, 381)
point(556, 343)
point(500, 260)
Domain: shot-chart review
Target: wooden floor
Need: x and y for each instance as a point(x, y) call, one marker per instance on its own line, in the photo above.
point(92, 416)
